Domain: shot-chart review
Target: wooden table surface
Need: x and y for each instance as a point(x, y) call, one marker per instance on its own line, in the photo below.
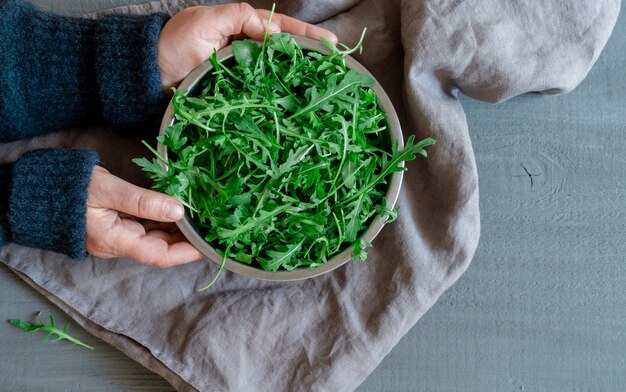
point(541, 308)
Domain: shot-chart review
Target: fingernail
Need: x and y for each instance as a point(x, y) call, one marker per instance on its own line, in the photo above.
point(174, 211)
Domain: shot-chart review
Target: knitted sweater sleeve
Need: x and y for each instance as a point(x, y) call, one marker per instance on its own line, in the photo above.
point(58, 72)
point(43, 200)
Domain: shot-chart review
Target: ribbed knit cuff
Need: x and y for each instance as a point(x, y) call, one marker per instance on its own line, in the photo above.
point(58, 72)
point(48, 200)
point(128, 74)
point(47, 77)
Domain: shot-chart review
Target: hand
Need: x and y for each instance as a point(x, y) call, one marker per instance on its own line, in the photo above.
point(112, 233)
point(192, 35)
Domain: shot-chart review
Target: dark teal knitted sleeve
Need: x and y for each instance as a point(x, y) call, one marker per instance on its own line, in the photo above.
point(58, 72)
point(43, 200)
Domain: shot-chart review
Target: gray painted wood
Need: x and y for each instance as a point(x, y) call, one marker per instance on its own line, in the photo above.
point(27, 364)
point(542, 307)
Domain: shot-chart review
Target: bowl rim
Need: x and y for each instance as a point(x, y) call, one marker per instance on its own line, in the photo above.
point(185, 226)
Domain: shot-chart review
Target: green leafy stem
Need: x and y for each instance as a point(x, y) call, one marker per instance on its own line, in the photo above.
point(51, 329)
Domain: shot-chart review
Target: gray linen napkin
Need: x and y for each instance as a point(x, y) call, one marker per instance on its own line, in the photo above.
point(329, 333)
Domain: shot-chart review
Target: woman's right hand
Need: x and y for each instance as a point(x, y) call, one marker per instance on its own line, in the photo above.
point(192, 35)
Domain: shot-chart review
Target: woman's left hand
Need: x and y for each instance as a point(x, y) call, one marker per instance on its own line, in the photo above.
point(124, 220)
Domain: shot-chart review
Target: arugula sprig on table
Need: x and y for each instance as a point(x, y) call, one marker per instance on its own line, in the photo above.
point(51, 329)
point(281, 159)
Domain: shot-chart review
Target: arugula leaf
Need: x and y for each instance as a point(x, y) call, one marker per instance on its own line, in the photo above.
point(335, 90)
point(393, 165)
point(62, 334)
point(153, 168)
point(359, 252)
point(283, 43)
point(246, 52)
point(354, 218)
point(173, 138)
point(280, 257)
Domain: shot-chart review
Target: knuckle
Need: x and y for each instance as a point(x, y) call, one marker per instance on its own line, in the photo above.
point(244, 11)
point(158, 257)
point(146, 206)
point(245, 8)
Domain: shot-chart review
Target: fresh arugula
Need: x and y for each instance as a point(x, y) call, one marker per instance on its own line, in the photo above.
point(282, 159)
point(62, 334)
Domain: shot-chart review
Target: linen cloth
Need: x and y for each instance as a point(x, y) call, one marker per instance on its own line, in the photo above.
point(330, 332)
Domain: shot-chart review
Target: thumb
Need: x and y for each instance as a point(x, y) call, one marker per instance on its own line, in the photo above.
point(109, 191)
point(240, 18)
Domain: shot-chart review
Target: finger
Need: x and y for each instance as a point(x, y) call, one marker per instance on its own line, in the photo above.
point(294, 26)
point(165, 226)
point(155, 248)
point(241, 18)
point(157, 252)
point(109, 191)
point(237, 18)
point(167, 236)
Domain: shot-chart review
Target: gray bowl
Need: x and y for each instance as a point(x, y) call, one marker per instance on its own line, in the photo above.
point(194, 80)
